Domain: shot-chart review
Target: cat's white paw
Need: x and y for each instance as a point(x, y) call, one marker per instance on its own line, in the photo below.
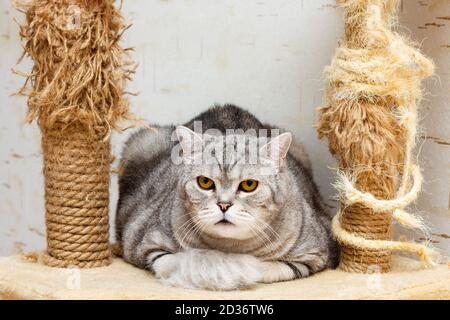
point(208, 269)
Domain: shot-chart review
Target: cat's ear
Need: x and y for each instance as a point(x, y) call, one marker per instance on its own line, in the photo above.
point(190, 141)
point(277, 148)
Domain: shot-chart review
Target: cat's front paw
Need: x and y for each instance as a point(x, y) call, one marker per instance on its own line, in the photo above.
point(208, 269)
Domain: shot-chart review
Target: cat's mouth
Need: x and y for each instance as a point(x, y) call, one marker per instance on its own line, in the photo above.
point(224, 222)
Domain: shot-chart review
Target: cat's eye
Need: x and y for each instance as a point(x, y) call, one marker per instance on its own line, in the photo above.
point(205, 183)
point(248, 185)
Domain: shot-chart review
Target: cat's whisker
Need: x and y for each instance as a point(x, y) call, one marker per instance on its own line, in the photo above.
point(187, 234)
point(268, 227)
point(199, 227)
point(276, 237)
point(258, 234)
point(185, 224)
point(191, 214)
point(261, 230)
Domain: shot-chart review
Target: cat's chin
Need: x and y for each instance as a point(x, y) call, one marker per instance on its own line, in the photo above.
point(227, 230)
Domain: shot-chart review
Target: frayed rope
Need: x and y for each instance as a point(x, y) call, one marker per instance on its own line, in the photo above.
point(350, 195)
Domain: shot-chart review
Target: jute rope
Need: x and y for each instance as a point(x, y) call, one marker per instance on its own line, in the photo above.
point(75, 91)
point(76, 200)
point(374, 85)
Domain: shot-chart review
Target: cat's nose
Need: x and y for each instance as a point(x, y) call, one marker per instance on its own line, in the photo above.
point(224, 206)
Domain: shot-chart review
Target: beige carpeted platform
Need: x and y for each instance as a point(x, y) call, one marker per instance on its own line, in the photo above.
point(21, 279)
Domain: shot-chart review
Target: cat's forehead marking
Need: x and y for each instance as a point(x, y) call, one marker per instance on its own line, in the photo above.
point(230, 158)
point(234, 172)
point(216, 171)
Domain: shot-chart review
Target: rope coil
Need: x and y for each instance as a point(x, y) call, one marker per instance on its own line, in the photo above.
point(76, 213)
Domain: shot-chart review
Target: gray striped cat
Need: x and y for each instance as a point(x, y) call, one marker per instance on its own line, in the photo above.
point(226, 222)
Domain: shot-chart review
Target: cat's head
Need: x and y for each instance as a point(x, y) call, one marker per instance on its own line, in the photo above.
point(233, 185)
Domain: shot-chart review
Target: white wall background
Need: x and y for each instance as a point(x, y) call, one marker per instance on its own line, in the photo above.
point(266, 56)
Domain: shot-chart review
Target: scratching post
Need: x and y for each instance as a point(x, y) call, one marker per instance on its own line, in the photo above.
point(374, 84)
point(75, 92)
point(76, 172)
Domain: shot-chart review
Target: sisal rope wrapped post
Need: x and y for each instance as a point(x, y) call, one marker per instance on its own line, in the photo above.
point(75, 92)
point(374, 85)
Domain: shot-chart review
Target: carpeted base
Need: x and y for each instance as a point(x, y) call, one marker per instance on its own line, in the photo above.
point(22, 279)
